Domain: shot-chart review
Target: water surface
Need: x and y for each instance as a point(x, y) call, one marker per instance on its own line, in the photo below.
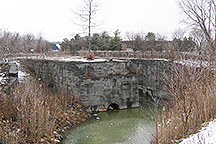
point(128, 126)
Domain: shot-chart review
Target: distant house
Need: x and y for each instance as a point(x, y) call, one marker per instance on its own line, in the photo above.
point(129, 49)
point(56, 46)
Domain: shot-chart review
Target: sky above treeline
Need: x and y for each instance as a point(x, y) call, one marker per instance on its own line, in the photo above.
point(53, 19)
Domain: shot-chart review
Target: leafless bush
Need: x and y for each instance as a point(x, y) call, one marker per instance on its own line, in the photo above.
point(12, 44)
point(192, 100)
point(33, 112)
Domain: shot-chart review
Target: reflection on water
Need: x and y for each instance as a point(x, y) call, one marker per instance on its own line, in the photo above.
point(120, 127)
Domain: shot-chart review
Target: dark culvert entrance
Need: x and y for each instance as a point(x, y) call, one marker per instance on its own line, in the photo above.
point(113, 106)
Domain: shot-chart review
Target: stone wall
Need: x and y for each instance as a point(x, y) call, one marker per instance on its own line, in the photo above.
point(151, 75)
point(101, 92)
point(99, 84)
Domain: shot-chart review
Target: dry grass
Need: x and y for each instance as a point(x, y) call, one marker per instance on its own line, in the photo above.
point(192, 102)
point(33, 112)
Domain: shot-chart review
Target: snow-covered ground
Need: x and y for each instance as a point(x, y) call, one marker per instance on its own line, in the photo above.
point(3, 79)
point(207, 135)
point(22, 75)
point(193, 63)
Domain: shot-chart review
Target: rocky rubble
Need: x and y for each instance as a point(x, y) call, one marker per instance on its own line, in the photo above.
point(74, 114)
point(8, 76)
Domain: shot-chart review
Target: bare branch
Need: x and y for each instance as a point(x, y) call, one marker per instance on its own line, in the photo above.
point(200, 13)
point(86, 15)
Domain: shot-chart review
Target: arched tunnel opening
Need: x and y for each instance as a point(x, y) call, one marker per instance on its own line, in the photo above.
point(113, 106)
point(146, 97)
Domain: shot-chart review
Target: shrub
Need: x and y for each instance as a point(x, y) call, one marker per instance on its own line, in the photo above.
point(33, 112)
point(192, 100)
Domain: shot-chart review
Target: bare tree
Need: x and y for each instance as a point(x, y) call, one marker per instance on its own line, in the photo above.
point(159, 37)
point(201, 13)
point(41, 44)
point(86, 14)
point(9, 43)
point(130, 36)
point(199, 38)
point(136, 40)
point(178, 34)
point(28, 42)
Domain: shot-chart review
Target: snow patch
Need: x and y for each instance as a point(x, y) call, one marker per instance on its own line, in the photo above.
point(3, 78)
point(206, 135)
point(192, 63)
point(22, 75)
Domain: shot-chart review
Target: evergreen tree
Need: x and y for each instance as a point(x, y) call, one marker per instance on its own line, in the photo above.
point(104, 41)
point(115, 43)
point(150, 36)
point(65, 45)
point(95, 42)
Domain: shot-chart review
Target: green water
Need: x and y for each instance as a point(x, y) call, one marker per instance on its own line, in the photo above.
point(128, 126)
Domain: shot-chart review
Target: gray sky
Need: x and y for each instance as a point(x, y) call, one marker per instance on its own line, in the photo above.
point(53, 18)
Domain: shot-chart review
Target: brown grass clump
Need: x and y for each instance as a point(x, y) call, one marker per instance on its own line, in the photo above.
point(191, 104)
point(90, 56)
point(33, 112)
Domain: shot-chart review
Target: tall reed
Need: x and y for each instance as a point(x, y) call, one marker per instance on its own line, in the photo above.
point(191, 103)
point(33, 112)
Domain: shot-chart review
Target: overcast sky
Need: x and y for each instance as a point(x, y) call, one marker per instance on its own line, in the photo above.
point(53, 18)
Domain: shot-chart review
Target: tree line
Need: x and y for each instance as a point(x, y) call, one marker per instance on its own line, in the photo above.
point(13, 43)
point(136, 41)
point(199, 15)
point(98, 42)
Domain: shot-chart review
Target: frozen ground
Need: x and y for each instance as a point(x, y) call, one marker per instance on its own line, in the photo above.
point(207, 135)
point(3, 79)
point(21, 75)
